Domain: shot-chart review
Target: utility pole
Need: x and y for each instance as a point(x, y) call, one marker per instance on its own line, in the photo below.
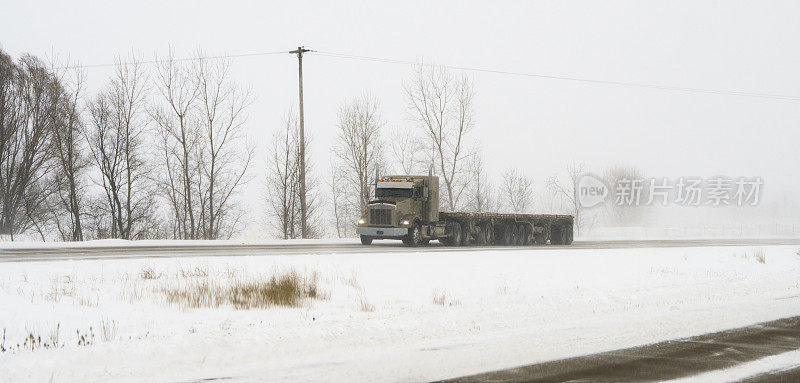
point(303, 226)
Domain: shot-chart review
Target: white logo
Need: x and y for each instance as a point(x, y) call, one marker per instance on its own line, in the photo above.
point(591, 190)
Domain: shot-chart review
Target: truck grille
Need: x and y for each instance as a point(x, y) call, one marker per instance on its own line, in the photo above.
point(378, 216)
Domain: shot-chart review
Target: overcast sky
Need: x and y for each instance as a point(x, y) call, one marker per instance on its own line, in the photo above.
point(539, 124)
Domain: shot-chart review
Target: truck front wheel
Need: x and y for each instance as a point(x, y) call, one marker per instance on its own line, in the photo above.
point(366, 240)
point(414, 237)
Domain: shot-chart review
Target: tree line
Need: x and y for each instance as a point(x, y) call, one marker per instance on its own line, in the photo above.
point(153, 154)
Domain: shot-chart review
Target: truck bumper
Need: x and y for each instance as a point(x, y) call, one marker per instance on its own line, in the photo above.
point(382, 232)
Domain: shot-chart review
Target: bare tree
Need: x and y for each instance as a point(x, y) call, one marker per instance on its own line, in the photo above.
point(282, 194)
point(358, 145)
point(179, 139)
point(565, 192)
point(225, 158)
point(516, 191)
point(282, 178)
point(408, 151)
point(116, 137)
point(27, 107)
point(203, 151)
point(337, 186)
point(480, 196)
point(68, 154)
point(441, 104)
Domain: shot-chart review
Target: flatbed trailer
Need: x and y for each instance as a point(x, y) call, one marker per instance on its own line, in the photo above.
point(510, 229)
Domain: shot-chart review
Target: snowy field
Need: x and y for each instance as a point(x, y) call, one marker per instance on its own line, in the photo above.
point(375, 317)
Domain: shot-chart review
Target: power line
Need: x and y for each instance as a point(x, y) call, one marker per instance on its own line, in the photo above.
point(158, 61)
point(345, 56)
point(567, 78)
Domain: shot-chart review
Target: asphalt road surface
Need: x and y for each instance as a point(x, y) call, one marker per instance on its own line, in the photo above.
point(668, 360)
point(194, 249)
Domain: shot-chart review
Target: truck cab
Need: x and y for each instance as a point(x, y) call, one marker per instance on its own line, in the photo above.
point(402, 206)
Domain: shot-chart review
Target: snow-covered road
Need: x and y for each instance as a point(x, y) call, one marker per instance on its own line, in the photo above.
point(383, 316)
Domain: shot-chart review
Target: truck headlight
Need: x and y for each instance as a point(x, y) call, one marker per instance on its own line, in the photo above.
point(404, 222)
point(361, 221)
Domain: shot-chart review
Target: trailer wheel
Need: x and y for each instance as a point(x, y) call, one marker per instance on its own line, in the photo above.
point(524, 235)
point(556, 235)
point(539, 239)
point(569, 235)
point(499, 235)
point(487, 234)
point(456, 238)
point(366, 240)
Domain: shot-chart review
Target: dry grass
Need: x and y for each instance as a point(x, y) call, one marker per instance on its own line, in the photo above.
point(365, 306)
point(286, 289)
point(108, 330)
point(502, 288)
point(59, 288)
point(442, 298)
point(760, 255)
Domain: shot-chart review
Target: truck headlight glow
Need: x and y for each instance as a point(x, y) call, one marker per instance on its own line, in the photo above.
point(404, 222)
point(361, 221)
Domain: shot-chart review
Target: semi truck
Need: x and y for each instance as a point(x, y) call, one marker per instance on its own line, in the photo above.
point(407, 208)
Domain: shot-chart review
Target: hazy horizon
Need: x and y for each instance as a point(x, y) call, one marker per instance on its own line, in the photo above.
point(537, 124)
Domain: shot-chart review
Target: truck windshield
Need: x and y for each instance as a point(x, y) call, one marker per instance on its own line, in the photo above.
point(394, 192)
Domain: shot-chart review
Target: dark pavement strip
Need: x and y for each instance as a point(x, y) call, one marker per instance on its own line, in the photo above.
point(665, 360)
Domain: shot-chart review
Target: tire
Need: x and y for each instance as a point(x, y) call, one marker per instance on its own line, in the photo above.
point(366, 240)
point(414, 236)
point(524, 235)
point(455, 237)
point(514, 240)
point(556, 235)
point(569, 235)
point(507, 235)
point(480, 239)
point(539, 238)
point(486, 236)
point(499, 235)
